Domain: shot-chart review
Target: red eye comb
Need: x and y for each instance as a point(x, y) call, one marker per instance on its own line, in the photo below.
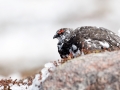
point(61, 31)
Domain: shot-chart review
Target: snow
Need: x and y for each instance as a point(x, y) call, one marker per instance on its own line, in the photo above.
point(15, 76)
point(51, 66)
point(27, 28)
point(22, 87)
point(1, 88)
point(45, 72)
point(36, 82)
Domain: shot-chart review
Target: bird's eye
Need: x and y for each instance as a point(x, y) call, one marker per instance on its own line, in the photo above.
point(61, 31)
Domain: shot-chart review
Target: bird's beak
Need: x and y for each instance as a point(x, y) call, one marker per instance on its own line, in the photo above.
point(55, 36)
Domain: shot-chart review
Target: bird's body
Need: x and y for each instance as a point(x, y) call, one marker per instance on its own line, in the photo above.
point(86, 39)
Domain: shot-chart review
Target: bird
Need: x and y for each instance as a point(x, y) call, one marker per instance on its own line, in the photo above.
point(84, 40)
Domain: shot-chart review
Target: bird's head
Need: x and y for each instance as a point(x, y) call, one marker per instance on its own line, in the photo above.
point(62, 33)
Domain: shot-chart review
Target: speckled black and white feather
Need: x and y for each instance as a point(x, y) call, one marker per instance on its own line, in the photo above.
point(88, 38)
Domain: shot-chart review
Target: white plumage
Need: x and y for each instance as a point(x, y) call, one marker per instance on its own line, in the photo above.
point(84, 40)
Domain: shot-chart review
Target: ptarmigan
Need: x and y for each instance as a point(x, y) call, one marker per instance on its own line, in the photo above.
point(84, 40)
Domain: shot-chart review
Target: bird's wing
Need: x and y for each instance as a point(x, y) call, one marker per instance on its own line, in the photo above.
point(97, 33)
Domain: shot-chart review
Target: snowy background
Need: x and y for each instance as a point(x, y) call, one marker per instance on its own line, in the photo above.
point(27, 28)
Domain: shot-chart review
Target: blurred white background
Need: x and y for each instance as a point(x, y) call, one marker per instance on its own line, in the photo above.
point(27, 28)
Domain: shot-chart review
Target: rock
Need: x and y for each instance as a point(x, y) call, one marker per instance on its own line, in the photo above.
point(96, 71)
